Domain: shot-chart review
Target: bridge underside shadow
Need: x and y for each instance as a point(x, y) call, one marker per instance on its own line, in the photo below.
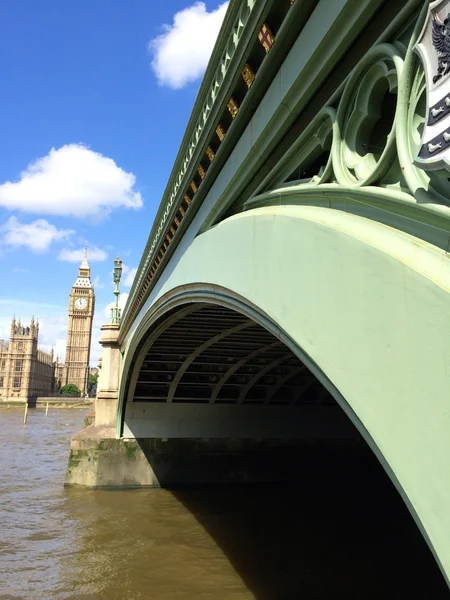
point(331, 536)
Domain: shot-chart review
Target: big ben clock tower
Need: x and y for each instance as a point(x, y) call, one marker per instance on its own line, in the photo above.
point(79, 331)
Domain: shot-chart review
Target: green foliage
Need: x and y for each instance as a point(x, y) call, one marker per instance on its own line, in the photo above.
point(93, 378)
point(70, 390)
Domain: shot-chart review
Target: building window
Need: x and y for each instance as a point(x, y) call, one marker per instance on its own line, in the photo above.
point(18, 365)
point(1, 381)
point(20, 346)
point(17, 381)
point(3, 365)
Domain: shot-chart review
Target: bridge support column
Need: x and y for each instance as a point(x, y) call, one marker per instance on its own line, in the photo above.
point(97, 458)
point(108, 384)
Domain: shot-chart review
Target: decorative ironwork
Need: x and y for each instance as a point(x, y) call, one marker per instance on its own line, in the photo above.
point(221, 131)
point(201, 171)
point(266, 37)
point(433, 47)
point(233, 107)
point(248, 75)
point(210, 153)
point(441, 43)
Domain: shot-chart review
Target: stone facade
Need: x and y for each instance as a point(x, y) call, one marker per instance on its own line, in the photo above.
point(26, 371)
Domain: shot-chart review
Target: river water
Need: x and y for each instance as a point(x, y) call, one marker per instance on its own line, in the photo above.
point(320, 540)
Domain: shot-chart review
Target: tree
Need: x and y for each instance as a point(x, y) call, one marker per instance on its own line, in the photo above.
point(92, 384)
point(70, 390)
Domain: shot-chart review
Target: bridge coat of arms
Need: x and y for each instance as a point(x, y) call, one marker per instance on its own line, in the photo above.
point(433, 47)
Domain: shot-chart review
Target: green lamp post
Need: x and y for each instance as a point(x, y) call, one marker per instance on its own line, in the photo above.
point(115, 310)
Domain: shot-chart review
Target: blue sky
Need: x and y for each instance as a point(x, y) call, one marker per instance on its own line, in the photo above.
point(95, 98)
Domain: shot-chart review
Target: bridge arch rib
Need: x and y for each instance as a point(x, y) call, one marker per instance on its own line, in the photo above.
point(364, 307)
point(214, 354)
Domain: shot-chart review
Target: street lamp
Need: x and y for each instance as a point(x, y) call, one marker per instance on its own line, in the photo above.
point(115, 311)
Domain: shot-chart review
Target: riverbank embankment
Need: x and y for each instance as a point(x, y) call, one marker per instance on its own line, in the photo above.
point(53, 402)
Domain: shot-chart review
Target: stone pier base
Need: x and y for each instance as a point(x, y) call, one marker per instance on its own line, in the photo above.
point(98, 460)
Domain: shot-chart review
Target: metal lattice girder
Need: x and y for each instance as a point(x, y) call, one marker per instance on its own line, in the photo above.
point(152, 339)
point(201, 349)
point(206, 354)
point(237, 366)
point(274, 389)
point(301, 390)
point(260, 374)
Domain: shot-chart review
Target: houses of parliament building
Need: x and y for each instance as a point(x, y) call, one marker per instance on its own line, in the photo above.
point(27, 372)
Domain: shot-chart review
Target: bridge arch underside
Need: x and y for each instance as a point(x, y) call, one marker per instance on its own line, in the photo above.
point(208, 371)
point(364, 307)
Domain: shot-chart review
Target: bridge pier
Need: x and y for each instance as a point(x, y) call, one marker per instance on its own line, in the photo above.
point(97, 461)
point(97, 458)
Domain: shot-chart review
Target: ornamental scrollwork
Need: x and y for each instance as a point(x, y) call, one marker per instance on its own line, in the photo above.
point(364, 149)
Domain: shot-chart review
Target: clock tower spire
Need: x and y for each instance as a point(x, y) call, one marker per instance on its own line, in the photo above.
point(79, 331)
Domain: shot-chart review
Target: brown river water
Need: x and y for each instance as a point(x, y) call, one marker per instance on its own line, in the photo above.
point(324, 539)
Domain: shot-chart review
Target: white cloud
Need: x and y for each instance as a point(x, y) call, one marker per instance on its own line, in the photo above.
point(94, 255)
point(130, 274)
point(71, 181)
point(37, 236)
point(181, 53)
point(97, 283)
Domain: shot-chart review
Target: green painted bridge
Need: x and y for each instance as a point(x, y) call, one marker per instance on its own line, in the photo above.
point(296, 280)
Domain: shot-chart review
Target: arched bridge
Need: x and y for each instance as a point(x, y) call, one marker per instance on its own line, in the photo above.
point(296, 280)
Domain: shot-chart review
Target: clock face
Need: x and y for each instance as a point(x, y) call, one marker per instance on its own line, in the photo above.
point(80, 303)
